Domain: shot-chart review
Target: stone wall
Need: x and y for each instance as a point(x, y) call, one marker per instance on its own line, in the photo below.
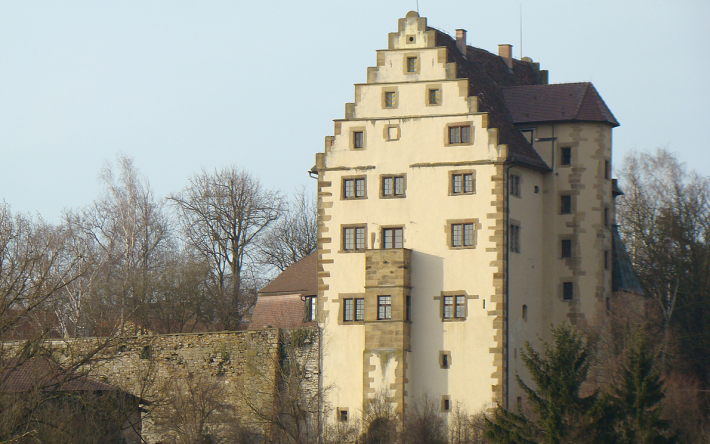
point(236, 373)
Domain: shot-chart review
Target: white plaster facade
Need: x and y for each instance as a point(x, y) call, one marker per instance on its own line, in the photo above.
point(407, 136)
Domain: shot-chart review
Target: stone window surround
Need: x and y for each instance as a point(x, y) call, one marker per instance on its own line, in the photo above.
point(341, 414)
point(342, 238)
point(562, 289)
point(390, 89)
point(358, 129)
point(570, 238)
point(445, 359)
point(467, 297)
point(405, 63)
point(355, 177)
point(571, 202)
point(429, 87)
point(389, 227)
point(451, 181)
point(571, 156)
point(449, 241)
point(456, 124)
point(341, 308)
point(393, 196)
point(386, 132)
point(445, 404)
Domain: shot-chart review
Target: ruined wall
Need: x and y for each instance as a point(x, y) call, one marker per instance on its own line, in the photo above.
point(237, 373)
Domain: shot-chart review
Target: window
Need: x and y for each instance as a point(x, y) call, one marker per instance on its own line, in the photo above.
point(392, 133)
point(454, 307)
point(462, 235)
point(408, 309)
point(462, 183)
point(537, 189)
point(353, 309)
point(354, 188)
point(390, 99)
point(393, 186)
point(606, 259)
point(607, 217)
point(525, 312)
point(565, 156)
point(411, 64)
point(565, 204)
point(514, 238)
point(445, 403)
point(343, 415)
point(358, 139)
point(567, 291)
point(310, 309)
point(434, 96)
point(566, 248)
point(445, 359)
point(392, 238)
point(459, 134)
point(353, 238)
point(514, 185)
point(607, 169)
point(384, 307)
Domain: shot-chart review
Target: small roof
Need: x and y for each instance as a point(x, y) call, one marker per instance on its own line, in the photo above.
point(557, 103)
point(282, 311)
point(300, 277)
point(623, 276)
point(41, 373)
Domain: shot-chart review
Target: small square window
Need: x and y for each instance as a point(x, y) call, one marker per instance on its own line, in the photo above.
point(566, 156)
point(392, 238)
point(462, 235)
point(354, 188)
point(567, 291)
point(343, 415)
point(434, 96)
point(459, 134)
point(390, 99)
point(412, 64)
point(353, 238)
point(514, 185)
point(384, 307)
point(358, 139)
point(393, 133)
point(445, 404)
point(514, 235)
point(566, 248)
point(565, 204)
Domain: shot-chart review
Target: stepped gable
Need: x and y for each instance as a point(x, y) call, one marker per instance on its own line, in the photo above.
point(300, 277)
point(557, 103)
point(487, 74)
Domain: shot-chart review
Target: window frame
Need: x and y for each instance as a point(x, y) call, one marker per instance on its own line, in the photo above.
point(514, 237)
point(566, 207)
point(514, 181)
point(474, 225)
point(462, 174)
point(565, 156)
point(384, 307)
point(565, 248)
point(356, 180)
point(357, 309)
point(311, 309)
point(390, 98)
point(567, 291)
point(438, 95)
point(454, 306)
point(394, 178)
point(353, 131)
point(457, 126)
point(356, 247)
point(394, 230)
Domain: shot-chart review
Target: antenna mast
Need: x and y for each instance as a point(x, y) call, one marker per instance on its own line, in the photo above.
point(417, 6)
point(521, 31)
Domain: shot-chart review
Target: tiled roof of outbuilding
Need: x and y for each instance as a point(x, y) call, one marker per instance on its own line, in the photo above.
point(282, 311)
point(555, 103)
point(41, 373)
point(300, 277)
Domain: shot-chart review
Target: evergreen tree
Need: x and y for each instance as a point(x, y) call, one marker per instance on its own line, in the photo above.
point(561, 415)
point(638, 400)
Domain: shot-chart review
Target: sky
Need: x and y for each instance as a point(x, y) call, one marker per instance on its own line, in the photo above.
point(181, 86)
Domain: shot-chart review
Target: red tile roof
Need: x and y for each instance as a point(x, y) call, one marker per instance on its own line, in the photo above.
point(41, 373)
point(300, 277)
point(282, 311)
point(557, 103)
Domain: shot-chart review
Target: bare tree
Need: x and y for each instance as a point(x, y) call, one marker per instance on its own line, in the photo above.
point(664, 219)
point(424, 424)
point(224, 216)
point(295, 235)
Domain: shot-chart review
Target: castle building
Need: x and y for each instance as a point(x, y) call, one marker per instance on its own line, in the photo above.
point(465, 205)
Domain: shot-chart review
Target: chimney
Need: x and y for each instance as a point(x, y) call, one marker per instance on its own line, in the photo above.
point(506, 53)
point(461, 41)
